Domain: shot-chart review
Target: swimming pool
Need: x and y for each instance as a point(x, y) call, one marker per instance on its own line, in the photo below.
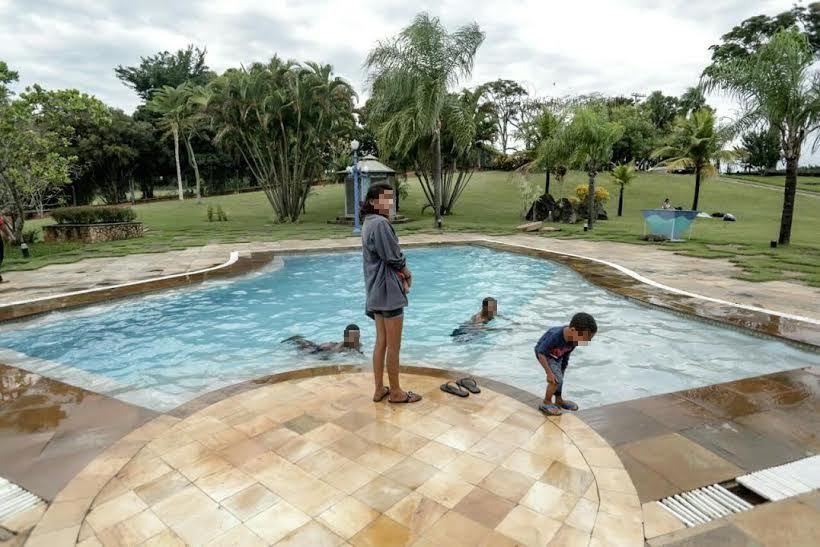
point(164, 349)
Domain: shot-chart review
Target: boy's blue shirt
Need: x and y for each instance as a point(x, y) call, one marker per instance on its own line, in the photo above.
point(553, 345)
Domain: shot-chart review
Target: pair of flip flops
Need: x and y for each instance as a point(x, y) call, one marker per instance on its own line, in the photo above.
point(461, 387)
point(555, 410)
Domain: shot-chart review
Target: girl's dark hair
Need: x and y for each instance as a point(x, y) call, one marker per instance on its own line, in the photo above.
point(351, 327)
point(486, 302)
point(373, 193)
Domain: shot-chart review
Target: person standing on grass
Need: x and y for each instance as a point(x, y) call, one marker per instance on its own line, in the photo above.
point(5, 233)
point(387, 282)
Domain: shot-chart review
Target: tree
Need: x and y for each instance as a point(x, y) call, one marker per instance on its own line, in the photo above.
point(7, 76)
point(623, 175)
point(661, 109)
point(587, 141)
point(283, 119)
point(694, 143)
point(746, 38)
point(424, 62)
point(506, 96)
point(174, 105)
point(166, 69)
point(775, 86)
point(691, 100)
point(549, 154)
point(639, 139)
point(762, 149)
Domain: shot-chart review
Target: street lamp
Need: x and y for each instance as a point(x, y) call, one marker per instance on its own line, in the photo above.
point(354, 146)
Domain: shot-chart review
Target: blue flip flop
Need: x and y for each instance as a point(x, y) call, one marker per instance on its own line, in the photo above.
point(569, 405)
point(550, 409)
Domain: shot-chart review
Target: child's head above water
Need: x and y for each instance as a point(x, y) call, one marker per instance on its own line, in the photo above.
point(582, 327)
point(489, 307)
point(351, 339)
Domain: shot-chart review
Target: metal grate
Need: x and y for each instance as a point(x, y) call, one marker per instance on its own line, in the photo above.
point(784, 481)
point(14, 499)
point(703, 505)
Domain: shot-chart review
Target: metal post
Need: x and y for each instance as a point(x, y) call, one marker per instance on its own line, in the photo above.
point(356, 227)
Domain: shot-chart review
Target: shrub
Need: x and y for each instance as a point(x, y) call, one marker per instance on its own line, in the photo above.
point(31, 236)
point(601, 194)
point(93, 215)
point(210, 213)
point(220, 214)
point(511, 162)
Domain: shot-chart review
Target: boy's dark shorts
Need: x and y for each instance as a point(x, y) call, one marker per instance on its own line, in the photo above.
point(386, 314)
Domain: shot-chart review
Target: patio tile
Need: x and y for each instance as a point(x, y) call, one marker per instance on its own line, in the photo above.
point(618, 531)
point(348, 517)
point(322, 462)
point(529, 527)
point(620, 424)
point(569, 479)
point(64, 536)
point(142, 470)
point(204, 467)
point(303, 424)
point(484, 507)
point(243, 451)
point(162, 487)
point(492, 450)
point(797, 428)
point(469, 468)
point(405, 443)
point(510, 434)
point(550, 501)
point(326, 434)
point(313, 534)
point(382, 532)
point(411, 472)
point(649, 484)
point(223, 439)
point(63, 515)
point(178, 507)
point(350, 476)
point(114, 511)
point(445, 489)
point(582, 517)
point(186, 454)
point(379, 458)
point(296, 449)
point(417, 513)
point(381, 493)
point(742, 446)
point(568, 536)
point(238, 536)
point(275, 438)
point(657, 521)
point(427, 427)
point(354, 420)
point(250, 502)
point(132, 531)
point(721, 400)
point(458, 530)
point(680, 461)
point(350, 446)
point(675, 412)
point(507, 484)
point(225, 483)
point(378, 432)
point(784, 523)
point(527, 463)
point(459, 438)
point(436, 454)
point(204, 526)
point(718, 534)
point(277, 522)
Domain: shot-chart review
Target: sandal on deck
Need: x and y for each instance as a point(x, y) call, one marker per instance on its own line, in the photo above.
point(384, 394)
point(454, 389)
point(550, 409)
point(569, 405)
point(411, 398)
point(469, 384)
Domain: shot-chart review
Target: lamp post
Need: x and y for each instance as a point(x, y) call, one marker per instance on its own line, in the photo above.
point(354, 146)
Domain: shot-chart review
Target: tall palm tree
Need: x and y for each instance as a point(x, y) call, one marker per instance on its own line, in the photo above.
point(587, 143)
point(417, 68)
point(171, 103)
point(696, 141)
point(623, 175)
point(776, 87)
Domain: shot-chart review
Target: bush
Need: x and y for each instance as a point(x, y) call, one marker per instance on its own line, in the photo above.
point(210, 213)
point(601, 194)
point(220, 214)
point(511, 162)
point(93, 215)
point(31, 236)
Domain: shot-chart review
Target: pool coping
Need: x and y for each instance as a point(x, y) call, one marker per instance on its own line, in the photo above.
point(794, 329)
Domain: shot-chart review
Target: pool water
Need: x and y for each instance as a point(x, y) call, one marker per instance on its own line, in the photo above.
point(162, 350)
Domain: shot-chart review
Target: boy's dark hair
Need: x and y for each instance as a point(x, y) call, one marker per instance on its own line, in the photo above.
point(486, 302)
point(351, 327)
point(584, 322)
point(373, 193)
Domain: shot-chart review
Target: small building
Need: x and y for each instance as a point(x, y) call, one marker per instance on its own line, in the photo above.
point(371, 171)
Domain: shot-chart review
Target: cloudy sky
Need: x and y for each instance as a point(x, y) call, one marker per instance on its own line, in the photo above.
point(552, 47)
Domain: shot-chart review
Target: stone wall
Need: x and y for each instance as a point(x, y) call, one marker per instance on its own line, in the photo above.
point(93, 233)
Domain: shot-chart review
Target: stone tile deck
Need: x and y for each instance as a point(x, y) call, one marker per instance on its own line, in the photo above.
point(313, 461)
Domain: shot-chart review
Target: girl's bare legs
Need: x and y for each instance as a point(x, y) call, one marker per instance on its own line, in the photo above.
point(378, 357)
point(393, 327)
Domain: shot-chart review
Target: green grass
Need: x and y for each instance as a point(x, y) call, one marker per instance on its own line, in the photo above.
point(806, 184)
point(490, 205)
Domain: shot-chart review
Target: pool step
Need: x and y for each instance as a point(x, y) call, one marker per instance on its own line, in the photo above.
point(702, 505)
point(14, 500)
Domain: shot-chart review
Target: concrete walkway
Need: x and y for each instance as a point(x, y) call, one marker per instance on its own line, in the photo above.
point(709, 277)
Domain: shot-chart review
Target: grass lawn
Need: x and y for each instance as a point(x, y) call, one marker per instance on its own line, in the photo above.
point(491, 205)
point(806, 184)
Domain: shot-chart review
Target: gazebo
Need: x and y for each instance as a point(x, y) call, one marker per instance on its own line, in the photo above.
point(371, 171)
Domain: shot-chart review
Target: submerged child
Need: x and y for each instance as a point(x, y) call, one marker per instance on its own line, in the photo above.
point(479, 322)
point(552, 351)
point(351, 343)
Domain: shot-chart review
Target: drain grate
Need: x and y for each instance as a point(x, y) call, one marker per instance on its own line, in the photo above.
point(703, 505)
point(784, 481)
point(14, 499)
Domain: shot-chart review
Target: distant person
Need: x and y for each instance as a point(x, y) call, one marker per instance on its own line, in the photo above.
point(552, 352)
point(387, 281)
point(5, 233)
point(349, 344)
point(479, 322)
point(666, 204)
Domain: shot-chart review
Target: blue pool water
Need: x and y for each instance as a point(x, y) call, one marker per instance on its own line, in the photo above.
point(164, 349)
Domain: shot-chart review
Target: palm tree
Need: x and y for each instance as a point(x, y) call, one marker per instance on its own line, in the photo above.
point(776, 87)
point(416, 70)
point(171, 103)
point(694, 143)
point(587, 143)
point(622, 175)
